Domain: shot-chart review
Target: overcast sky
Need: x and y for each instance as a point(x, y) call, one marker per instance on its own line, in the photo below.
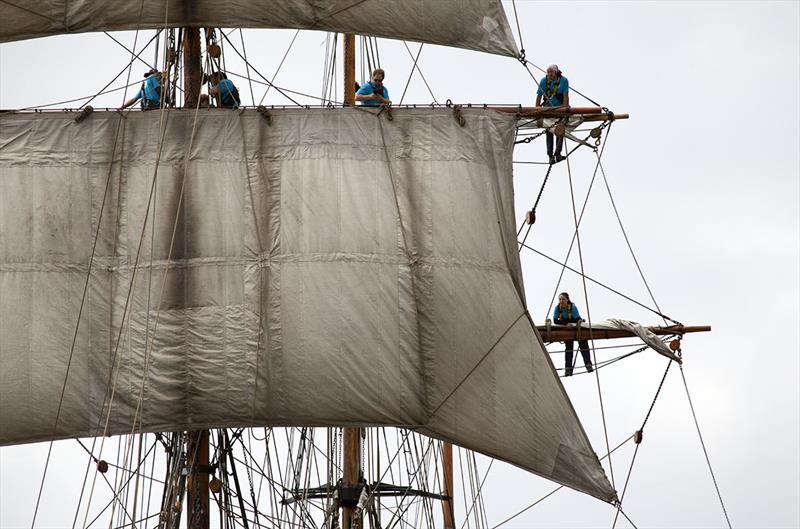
point(705, 177)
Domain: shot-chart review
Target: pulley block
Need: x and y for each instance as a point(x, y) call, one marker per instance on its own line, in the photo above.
point(559, 130)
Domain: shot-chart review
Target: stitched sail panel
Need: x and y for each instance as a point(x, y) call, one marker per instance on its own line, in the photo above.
point(333, 268)
point(472, 24)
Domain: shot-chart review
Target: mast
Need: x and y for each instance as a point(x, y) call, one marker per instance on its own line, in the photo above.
point(448, 512)
point(192, 67)
point(197, 511)
point(351, 437)
point(198, 515)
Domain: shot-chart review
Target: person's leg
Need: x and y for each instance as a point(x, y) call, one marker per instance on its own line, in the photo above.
point(549, 137)
point(559, 145)
point(569, 344)
point(583, 345)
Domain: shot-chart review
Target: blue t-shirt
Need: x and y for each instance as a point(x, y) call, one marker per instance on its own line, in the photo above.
point(556, 89)
point(368, 89)
point(149, 93)
point(570, 313)
point(228, 94)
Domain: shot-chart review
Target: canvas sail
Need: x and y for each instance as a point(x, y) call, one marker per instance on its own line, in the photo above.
point(472, 24)
point(332, 268)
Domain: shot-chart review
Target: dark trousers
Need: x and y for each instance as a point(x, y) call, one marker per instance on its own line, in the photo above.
point(559, 144)
point(583, 345)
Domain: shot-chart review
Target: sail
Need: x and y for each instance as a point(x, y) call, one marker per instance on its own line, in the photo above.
point(330, 267)
point(472, 24)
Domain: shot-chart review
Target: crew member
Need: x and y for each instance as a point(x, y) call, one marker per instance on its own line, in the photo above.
point(555, 90)
point(373, 93)
point(150, 92)
point(223, 91)
point(566, 312)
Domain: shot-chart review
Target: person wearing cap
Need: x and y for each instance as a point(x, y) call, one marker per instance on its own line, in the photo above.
point(150, 92)
point(553, 92)
point(373, 93)
point(223, 91)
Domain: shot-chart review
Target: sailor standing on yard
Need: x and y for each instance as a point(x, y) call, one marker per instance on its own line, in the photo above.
point(150, 92)
point(373, 93)
point(567, 312)
point(555, 89)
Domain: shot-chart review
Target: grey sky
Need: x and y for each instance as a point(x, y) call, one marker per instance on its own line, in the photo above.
point(705, 176)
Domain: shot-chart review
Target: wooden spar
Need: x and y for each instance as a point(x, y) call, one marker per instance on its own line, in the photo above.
point(447, 469)
point(351, 461)
point(559, 333)
point(197, 511)
point(192, 67)
point(351, 437)
point(197, 493)
point(349, 94)
point(587, 113)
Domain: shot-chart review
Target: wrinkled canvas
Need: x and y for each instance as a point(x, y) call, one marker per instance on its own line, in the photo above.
point(333, 268)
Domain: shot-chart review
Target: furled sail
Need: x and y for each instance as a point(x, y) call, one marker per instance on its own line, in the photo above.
point(330, 268)
point(472, 24)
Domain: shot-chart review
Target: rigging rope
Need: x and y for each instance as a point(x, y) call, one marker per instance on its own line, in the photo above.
point(411, 73)
point(705, 451)
point(625, 234)
point(529, 507)
point(600, 284)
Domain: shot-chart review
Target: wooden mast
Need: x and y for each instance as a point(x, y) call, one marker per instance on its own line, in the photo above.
point(448, 513)
point(351, 437)
point(192, 67)
point(197, 505)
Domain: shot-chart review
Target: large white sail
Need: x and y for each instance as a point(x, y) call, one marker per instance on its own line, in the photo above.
point(472, 24)
point(330, 268)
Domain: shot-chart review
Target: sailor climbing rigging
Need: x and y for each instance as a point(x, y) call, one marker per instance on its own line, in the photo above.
point(566, 312)
point(555, 90)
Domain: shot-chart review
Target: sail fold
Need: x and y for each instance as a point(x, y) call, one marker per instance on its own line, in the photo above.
point(332, 268)
point(472, 24)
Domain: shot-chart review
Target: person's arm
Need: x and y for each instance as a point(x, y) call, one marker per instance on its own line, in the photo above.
point(538, 100)
point(556, 314)
point(575, 314)
point(566, 92)
point(363, 95)
point(385, 99)
point(129, 102)
point(539, 93)
point(132, 100)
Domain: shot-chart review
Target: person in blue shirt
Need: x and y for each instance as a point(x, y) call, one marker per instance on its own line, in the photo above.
point(150, 92)
point(553, 92)
point(373, 93)
point(223, 91)
point(566, 312)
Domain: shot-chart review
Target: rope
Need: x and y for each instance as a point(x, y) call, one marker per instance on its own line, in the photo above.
point(598, 283)
point(703, 444)
point(580, 219)
point(533, 210)
point(413, 69)
point(589, 317)
point(554, 490)
point(416, 65)
point(636, 451)
point(282, 92)
point(247, 66)
point(477, 364)
point(280, 65)
point(625, 234)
